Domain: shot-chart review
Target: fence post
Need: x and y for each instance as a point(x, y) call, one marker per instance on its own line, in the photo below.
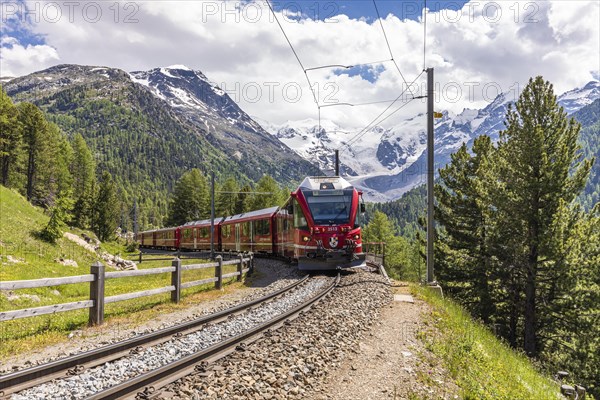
point(97, 294)
point(176, 280)
point(219, 273)
point(251, 264)
point(140, 256)
point(240, 267)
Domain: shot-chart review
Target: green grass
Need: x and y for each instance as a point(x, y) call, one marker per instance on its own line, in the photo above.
point(481, 365)
point(19, 222)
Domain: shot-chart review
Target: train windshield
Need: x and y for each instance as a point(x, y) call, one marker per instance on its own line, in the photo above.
point(329, 207)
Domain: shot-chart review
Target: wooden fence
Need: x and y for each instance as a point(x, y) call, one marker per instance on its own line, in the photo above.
point(98, 276)
point(183, 255)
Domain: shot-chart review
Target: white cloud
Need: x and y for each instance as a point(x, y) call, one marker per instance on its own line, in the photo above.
point(16, 60)
point(476, 52)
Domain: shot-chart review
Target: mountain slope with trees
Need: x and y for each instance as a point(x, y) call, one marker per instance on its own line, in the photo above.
point(589, 138)
point(40, 162)
point(137, 137)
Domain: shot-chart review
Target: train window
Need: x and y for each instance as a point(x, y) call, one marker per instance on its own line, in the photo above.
point(262, 227)
point(328, 208)
point(204, 233)
point(245, 229)
point(187, 233)
point(226, 231)
point(299, 218)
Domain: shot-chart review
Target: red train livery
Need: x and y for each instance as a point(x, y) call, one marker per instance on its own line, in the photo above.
point(318, 227)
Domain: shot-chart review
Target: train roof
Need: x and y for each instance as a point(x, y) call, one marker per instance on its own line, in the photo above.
point(252, 214)
point(171, 228)
point(325, 183)
point(202, 222)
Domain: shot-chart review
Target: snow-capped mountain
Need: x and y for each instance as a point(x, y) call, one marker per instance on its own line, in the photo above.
point(385, 163)
point(575, 99)
point(191, 91)
point(203, 103)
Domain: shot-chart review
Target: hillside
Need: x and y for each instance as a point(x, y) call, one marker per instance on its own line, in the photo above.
point(589, 138)
point(24, 256)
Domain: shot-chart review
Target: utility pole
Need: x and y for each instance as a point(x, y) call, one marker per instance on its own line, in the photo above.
point(135, 218)
point(337, 163)
point(430, 174)
point(212, 215)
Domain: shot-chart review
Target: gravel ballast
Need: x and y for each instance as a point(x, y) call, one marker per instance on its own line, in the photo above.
point(292, 361)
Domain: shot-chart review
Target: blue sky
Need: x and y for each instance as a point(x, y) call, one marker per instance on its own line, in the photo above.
point(403, 9)
point(11, 18)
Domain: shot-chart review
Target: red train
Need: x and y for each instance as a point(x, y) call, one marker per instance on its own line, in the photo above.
point(318, 227)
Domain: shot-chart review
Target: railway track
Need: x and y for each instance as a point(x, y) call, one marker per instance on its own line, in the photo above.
point(151, 380)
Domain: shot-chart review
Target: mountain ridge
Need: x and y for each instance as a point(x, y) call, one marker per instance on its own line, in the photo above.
point(388, 162)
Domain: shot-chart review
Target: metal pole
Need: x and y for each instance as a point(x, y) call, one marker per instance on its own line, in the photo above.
point(337, 163)
point(430, 173)
point(212, 215)
point(135, 218)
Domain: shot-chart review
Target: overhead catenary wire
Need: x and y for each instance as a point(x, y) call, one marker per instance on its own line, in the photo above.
point(387, 42)
point(316, 100)
point(293, 50)
point(424, 30)
point(362, 132)
point(348, 66)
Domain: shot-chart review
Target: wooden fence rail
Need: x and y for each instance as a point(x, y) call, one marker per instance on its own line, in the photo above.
point(179, 254)
point(98, 276)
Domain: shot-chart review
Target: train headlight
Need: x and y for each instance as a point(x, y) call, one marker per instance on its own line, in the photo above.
point(305, 238)
point(356, 237)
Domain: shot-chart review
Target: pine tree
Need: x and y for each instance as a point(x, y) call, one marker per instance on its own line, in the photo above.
point(268, 194)
point(227, 199)
point(54, 176)
point(244, 200)
point(35, 132)
point(463, 210)
point(379, 230)
point(573, 343)
point(191, 199)
point(106, 209)
point(83, 169)
point(539, 169)
point(59, 215)
point(10, 137)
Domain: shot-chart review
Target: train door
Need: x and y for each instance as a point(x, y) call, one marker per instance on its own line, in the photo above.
point(237, 237)
point(195, 238)
point(252, 245)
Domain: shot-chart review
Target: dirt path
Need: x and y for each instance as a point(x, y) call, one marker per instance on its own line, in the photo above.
point(392, 362)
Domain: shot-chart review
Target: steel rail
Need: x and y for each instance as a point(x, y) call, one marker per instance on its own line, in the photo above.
point(26, 378)
point(184, 366)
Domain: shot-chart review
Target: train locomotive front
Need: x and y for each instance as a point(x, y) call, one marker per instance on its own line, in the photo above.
point(320, 225)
